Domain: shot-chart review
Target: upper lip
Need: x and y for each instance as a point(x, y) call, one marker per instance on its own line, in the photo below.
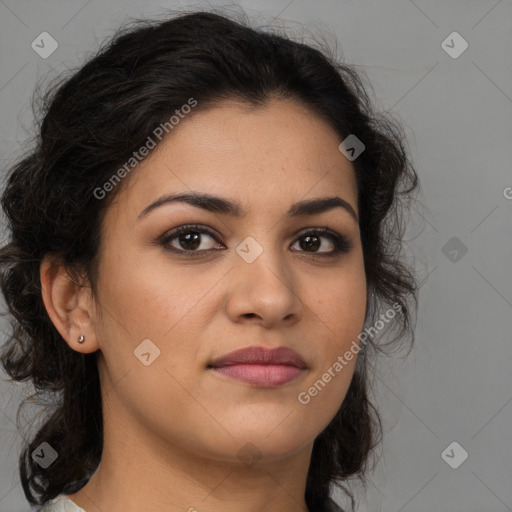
point(260, 355)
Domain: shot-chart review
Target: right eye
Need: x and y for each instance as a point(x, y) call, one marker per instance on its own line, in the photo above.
point(188, 238)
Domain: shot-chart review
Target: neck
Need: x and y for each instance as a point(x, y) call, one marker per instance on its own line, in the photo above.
point(161, 476)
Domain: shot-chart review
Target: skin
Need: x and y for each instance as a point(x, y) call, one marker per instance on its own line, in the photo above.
point(172, 430)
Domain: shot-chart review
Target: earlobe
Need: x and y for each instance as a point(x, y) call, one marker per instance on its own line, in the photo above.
point(69, 306)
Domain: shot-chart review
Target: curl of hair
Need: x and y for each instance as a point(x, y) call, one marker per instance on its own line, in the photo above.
point(88, 126)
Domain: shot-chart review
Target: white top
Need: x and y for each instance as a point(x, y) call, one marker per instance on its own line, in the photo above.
point(61, 504)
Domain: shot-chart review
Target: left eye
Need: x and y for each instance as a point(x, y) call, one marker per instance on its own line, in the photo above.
point(313, 239)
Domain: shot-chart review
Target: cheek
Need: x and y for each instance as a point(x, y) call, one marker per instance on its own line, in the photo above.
point(339, 305)
point(149, 298)
point(338, 310)
point(143, 302)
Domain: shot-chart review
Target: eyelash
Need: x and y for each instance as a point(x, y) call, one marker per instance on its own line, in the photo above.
point(341, 243)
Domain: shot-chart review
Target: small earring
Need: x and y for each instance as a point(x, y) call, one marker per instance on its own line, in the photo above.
point(81, 338)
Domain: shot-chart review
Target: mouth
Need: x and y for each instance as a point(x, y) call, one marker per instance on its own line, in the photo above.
point(260, 367)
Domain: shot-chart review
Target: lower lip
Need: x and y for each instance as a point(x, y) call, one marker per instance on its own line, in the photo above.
point(261, 375)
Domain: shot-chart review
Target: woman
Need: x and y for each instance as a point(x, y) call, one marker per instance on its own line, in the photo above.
point(201, 242)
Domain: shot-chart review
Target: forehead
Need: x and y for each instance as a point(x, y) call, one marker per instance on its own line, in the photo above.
point(263, 157)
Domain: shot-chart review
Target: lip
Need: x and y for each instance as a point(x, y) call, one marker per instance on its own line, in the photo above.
point(260, 366)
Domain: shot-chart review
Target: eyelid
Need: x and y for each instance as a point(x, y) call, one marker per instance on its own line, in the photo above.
point(171, 233)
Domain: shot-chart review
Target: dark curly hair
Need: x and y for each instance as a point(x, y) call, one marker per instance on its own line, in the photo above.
point(89, 124)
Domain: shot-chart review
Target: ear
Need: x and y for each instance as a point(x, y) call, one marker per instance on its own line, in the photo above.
point(70, 305)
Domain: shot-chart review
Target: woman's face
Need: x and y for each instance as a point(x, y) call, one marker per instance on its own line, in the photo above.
point(249, 280)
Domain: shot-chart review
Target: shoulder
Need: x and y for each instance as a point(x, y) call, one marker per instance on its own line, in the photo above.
point(60, 504)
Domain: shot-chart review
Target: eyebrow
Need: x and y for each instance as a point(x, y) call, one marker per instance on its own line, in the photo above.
point(223, 206)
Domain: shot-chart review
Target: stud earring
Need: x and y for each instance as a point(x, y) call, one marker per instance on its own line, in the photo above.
point(81, 338)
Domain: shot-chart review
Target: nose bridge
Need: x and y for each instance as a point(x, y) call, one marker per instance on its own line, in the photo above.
point(264, 285)
point(259, 251)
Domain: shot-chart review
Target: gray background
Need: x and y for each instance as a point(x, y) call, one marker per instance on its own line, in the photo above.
point(457, 112)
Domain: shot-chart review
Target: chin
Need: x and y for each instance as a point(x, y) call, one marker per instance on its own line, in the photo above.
point(268, 443)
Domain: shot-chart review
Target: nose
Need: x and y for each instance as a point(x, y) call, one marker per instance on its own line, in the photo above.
point(264, 291)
